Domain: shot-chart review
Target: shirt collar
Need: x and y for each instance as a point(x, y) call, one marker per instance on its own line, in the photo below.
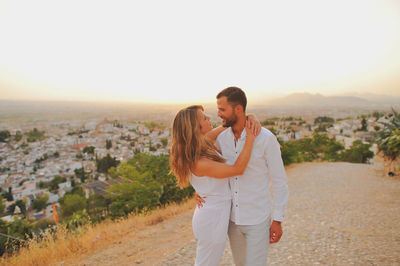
point(242, 136)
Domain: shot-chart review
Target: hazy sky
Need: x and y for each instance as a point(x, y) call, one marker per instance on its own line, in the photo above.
point(186, 51)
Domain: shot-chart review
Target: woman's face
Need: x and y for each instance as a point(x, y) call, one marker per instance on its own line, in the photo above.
point(205, 123)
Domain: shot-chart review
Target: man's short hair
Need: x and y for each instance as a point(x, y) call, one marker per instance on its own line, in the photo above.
point(235, 96)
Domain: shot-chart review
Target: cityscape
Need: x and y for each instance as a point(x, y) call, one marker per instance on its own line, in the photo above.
point(36, 155)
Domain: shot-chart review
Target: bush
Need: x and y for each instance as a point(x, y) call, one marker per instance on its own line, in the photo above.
point(389, 137)
point(72, 203)
point(148, 185)
point(357, 153)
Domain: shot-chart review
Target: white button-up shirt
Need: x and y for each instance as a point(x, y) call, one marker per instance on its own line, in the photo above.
point(251, 195)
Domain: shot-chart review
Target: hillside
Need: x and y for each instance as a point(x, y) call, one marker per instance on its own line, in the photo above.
point(338, 213)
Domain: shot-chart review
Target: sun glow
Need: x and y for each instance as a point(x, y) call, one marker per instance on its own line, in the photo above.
point(176, 51)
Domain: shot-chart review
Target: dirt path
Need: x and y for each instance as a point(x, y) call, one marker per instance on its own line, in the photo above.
point(338, 214)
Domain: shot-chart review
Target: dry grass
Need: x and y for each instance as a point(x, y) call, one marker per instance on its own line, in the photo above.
point(66, 246)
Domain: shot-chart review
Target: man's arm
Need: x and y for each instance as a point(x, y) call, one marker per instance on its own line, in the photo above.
point(279, 186)
point(278, 177)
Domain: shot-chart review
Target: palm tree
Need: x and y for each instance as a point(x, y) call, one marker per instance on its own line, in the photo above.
point(389, 138)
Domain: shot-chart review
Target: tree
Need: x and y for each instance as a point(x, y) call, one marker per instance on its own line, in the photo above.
point(4, 136)
point(72, 203)
point(377, 115)
point(164, 142)
point(81, 174)
point(363, 125)
point(391, 145)
point(2, 206)
point(106, 163)
point(108, 144)
point(357, 153)
point(35, 135)
point(389, 137)
point(268, 122)
point(324, 119)
point(96, 204)
point(89, 149)
point(8, 195)
point(142, 194)
point(159, 168)
point(21, 204)
point(18, 136)
point(153, 125)
point(40, 202)
point(53, 184)
point(19, 228)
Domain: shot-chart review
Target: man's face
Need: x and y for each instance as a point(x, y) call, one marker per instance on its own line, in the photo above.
point(226, 112)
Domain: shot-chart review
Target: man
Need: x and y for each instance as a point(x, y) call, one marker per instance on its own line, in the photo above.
point(250, 228)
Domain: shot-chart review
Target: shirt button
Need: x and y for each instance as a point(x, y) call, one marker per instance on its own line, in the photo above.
point(236, 192)
point(237, 205)
point(236, 178)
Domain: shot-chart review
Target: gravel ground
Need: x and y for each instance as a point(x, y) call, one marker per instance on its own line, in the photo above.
point(338, 214)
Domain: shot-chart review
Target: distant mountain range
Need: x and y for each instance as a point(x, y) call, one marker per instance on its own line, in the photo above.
point(319, 100)
point(296, 104)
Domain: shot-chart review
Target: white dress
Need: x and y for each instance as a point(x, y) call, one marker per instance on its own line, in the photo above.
point(210, 222)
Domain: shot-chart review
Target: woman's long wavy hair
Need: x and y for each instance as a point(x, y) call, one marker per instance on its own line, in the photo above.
point(189, 144)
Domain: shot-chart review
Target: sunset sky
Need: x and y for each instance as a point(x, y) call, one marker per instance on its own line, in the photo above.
point(186, 51)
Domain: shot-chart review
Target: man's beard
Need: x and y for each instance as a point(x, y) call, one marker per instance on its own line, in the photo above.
point(231, 121)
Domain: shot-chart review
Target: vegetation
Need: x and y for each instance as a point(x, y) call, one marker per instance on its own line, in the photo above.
point(21, 229)
point(324, 119)
point(357, 153)
point(2, 206)
point(58, 245)
point(268, 122)
point(81, 174)
point(18, 136)
point(53, 184)
point(72, 203)
point(321, 147)
point(40, 202)
point(363, 124)
point(35, 135)
point(42, 158)
point(148, 185)
point(89, 149)
point(21, 205)
point(108, 144)
point(8, 195)
point(389, 137)
point(164, 142)
point(4, 135)
point(153, 125)
point(106, 163)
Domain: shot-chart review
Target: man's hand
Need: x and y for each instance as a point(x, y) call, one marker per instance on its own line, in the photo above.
point(253, 124)
point(199, 200)
point(275, 232)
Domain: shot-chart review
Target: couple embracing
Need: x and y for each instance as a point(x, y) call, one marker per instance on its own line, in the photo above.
point(231, 168)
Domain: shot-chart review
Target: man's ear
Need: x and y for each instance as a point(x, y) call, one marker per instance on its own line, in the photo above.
point(239, 109)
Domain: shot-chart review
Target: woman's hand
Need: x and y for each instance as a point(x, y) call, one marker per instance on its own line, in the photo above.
point(249, 131)
point(199, 200)
point(254, 124)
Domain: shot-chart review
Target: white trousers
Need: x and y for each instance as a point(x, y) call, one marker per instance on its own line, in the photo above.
point(210, 227)
point(249, 243)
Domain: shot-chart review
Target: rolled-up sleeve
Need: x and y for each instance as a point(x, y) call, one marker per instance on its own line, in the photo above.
point(277, 174)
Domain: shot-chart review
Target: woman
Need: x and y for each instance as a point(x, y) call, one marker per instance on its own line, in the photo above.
point(194, 159)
